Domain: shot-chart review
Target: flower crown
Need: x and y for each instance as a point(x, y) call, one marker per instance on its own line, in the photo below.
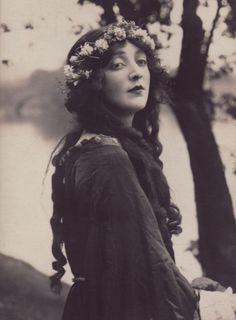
point(74, 73)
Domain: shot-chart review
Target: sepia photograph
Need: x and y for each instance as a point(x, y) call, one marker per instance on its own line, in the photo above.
point(118, 160)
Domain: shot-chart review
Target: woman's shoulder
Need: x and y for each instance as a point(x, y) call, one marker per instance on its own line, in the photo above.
point(100, 149)
point(101, 159)
point(97, 139)
point(102, 139)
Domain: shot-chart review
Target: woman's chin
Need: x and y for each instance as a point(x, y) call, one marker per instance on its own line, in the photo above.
point(136, 104)
point(132, 109)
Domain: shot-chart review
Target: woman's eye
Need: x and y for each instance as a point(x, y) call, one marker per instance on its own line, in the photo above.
point(117, 65)
point(142, 62)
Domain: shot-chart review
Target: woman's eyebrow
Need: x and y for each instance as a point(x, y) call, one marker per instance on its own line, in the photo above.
point(140, 51)
point(121, 52)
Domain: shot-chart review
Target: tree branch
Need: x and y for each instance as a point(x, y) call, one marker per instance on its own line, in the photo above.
point(220, 5)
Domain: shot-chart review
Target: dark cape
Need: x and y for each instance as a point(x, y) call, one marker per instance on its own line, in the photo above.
point(122, 268)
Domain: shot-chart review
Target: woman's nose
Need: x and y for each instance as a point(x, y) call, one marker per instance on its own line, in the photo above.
point(134, 76)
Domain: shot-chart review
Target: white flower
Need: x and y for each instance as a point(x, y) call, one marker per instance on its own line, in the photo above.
point(68, 71)
point(75, 76)
point(87, 73)
point(86, 50)
point(140, 33)
point(143, 36)
point(73, 59)
point(101, 45)
point(119, 33)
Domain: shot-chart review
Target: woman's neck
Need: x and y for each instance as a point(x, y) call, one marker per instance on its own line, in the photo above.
point(127, 120)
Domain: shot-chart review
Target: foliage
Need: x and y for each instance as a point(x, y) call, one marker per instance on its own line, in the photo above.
point(141, 11)
point(4, 27)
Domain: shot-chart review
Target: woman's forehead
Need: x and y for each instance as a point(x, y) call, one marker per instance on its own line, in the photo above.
point(125, 47)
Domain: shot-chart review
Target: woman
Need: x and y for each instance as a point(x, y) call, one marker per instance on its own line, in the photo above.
point(112, 206)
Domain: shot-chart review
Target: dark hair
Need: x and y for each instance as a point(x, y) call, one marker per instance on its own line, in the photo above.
point(140, 142)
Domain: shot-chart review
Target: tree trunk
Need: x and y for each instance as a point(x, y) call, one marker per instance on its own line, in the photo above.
point(216, 222)
point(232, 4)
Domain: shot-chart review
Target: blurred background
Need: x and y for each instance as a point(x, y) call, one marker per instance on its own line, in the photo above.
point(196, 41)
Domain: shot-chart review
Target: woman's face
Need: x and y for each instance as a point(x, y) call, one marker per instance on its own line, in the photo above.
point(126, 79)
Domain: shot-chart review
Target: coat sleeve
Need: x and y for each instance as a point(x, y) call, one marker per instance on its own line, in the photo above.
point(129, 271)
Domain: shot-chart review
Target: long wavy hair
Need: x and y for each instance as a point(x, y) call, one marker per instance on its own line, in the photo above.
point(140, 141)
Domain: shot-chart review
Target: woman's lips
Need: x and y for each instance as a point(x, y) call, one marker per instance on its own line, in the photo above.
point(136, 89)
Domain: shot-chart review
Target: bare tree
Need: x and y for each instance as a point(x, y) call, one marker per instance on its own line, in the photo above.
point(216, 222)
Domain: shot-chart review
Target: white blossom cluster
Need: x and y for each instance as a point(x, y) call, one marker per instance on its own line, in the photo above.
point(75, 77)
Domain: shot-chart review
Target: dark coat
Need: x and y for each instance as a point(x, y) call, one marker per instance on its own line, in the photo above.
point(112, 239)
